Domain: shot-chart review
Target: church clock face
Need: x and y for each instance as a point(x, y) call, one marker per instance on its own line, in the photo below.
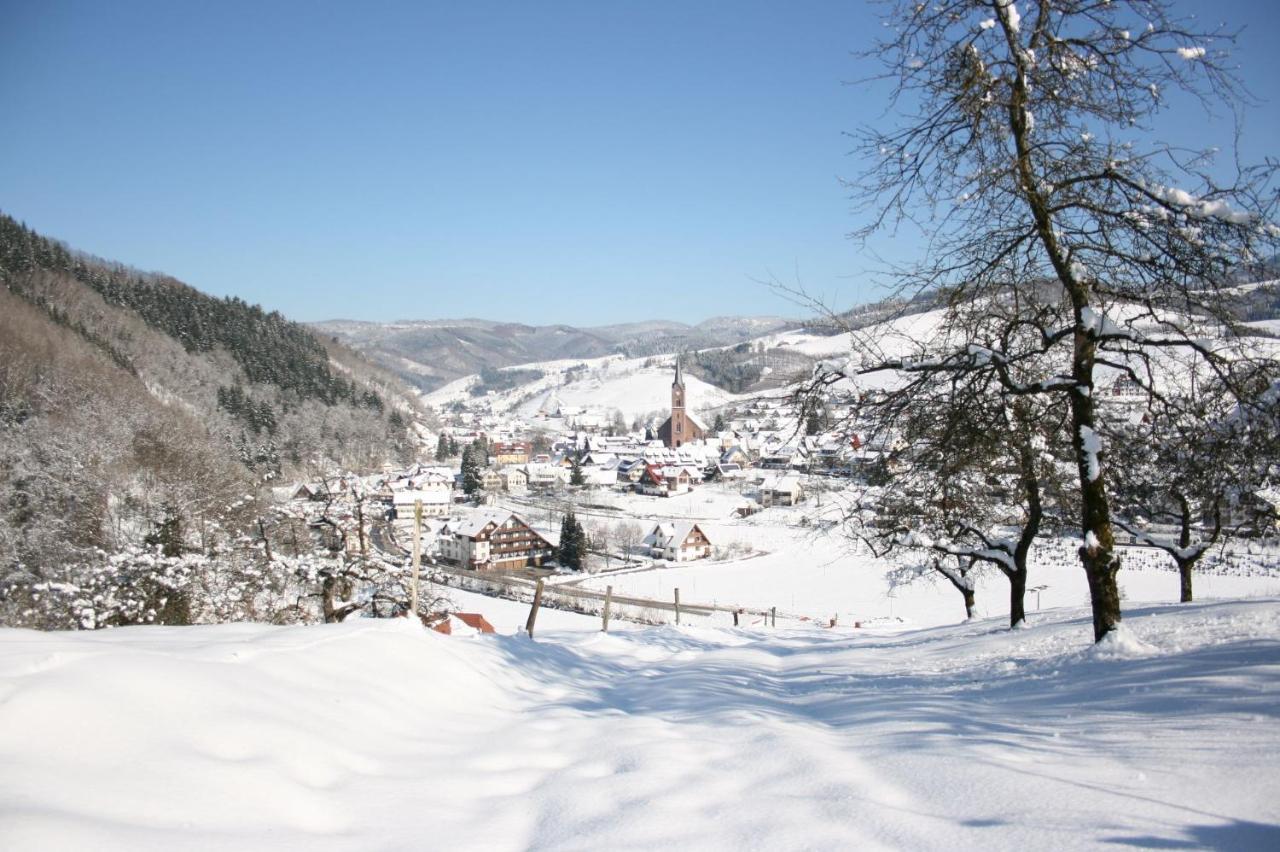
point(678, 399)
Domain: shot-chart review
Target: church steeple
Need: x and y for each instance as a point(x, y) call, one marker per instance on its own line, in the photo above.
point(680, 427)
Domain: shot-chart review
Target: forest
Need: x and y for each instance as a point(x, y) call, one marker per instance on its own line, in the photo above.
point(143, 421)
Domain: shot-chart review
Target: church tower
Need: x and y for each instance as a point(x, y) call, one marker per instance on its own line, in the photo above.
point(681, 427)
point(679, 422)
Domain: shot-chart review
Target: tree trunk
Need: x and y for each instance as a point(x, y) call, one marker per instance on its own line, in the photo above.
point(1184, 574)
point(1184, 541)
point(1017, 593)
point(1097, 555)
point(968, 603)
point(1104, 593)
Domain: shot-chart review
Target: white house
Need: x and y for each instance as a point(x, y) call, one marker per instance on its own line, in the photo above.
point(514, 480)
point(781, 490)
point(435, 503)
point(677, 541)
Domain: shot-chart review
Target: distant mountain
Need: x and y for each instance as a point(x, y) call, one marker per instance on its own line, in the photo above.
point(432, 353)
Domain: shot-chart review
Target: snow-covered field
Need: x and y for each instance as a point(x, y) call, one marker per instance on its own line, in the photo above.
point(814, 572)
point(381, 735)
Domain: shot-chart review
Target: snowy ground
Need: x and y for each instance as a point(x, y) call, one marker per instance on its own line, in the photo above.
point(817, 573)
point(380, 735)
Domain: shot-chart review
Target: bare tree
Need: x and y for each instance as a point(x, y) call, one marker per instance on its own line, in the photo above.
point(1201, 466)
point(1089, 251)
point(628, 535)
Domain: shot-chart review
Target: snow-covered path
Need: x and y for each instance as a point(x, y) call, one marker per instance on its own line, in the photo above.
point(378, 735)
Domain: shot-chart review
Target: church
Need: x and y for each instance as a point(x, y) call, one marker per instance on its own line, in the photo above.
point(681, 427)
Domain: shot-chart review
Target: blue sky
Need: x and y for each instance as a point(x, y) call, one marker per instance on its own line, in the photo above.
point(584, 163)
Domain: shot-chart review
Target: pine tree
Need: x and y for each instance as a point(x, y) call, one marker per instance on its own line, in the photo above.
point(573, 542)
point(575, 471)
point(442, 447)
point(471, 482)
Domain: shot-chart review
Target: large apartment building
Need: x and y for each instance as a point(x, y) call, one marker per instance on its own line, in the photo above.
point(493, 541)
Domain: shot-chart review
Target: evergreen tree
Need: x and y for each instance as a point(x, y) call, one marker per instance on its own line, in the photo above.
point(471, 483)
point(442, 447)
point(719, 424)
point(575, 471)
point(573, 542)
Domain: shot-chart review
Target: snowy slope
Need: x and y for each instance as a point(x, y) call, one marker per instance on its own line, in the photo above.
point(634, 386)
point(380, 735)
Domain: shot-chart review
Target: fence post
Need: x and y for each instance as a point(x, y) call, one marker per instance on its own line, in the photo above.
point(677, 607)
point(773, 616)
point(533, 610)
point(608, 599)
point(735, 618)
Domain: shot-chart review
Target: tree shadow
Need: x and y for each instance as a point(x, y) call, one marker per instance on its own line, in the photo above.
point(1230, 836)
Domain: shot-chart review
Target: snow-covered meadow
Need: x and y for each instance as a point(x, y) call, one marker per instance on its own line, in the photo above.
point(382, 735)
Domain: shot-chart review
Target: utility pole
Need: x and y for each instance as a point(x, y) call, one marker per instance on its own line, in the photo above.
point(417, 556)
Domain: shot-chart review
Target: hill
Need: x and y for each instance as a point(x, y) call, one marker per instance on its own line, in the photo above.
point(130, 401)
point(432, 353)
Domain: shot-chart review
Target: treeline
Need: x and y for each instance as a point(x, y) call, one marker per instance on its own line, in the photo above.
point(492, 379)
point(269, 348)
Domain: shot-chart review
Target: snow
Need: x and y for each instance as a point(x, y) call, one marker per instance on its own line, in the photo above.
point(382, 735)
point(1191, 53)
point(1091, 444)
point(1009, 10)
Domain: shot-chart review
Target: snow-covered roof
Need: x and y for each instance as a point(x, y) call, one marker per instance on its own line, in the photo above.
point(408, 497)
point(472, 526)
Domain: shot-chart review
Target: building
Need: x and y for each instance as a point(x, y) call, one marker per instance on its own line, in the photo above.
point(514, 480)
point(493, 541)
point(514, 452)
point(435, 503)
point(490, 480)
point(781, 490)
point(681, 427)
point(677, 542)
point(659, 481)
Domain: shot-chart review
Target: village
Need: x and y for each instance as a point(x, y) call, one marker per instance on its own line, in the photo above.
point(490, 504)
point(742, 514)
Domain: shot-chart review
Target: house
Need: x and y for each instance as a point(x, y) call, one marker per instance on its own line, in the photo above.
point(784, 456)
point(544, 475)
point(435, 503)
point(514, 452)
point(781, 490)
point(490, 480)
point(735, 455)
point(493, 541)
point(659, 481)
point(729, 471)
point(514, 480)
point(677, 541)
point(630, 470)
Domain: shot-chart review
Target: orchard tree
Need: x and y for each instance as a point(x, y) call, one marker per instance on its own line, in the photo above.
point(971, 478)
point(1202, 466)
point(1025, 147)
